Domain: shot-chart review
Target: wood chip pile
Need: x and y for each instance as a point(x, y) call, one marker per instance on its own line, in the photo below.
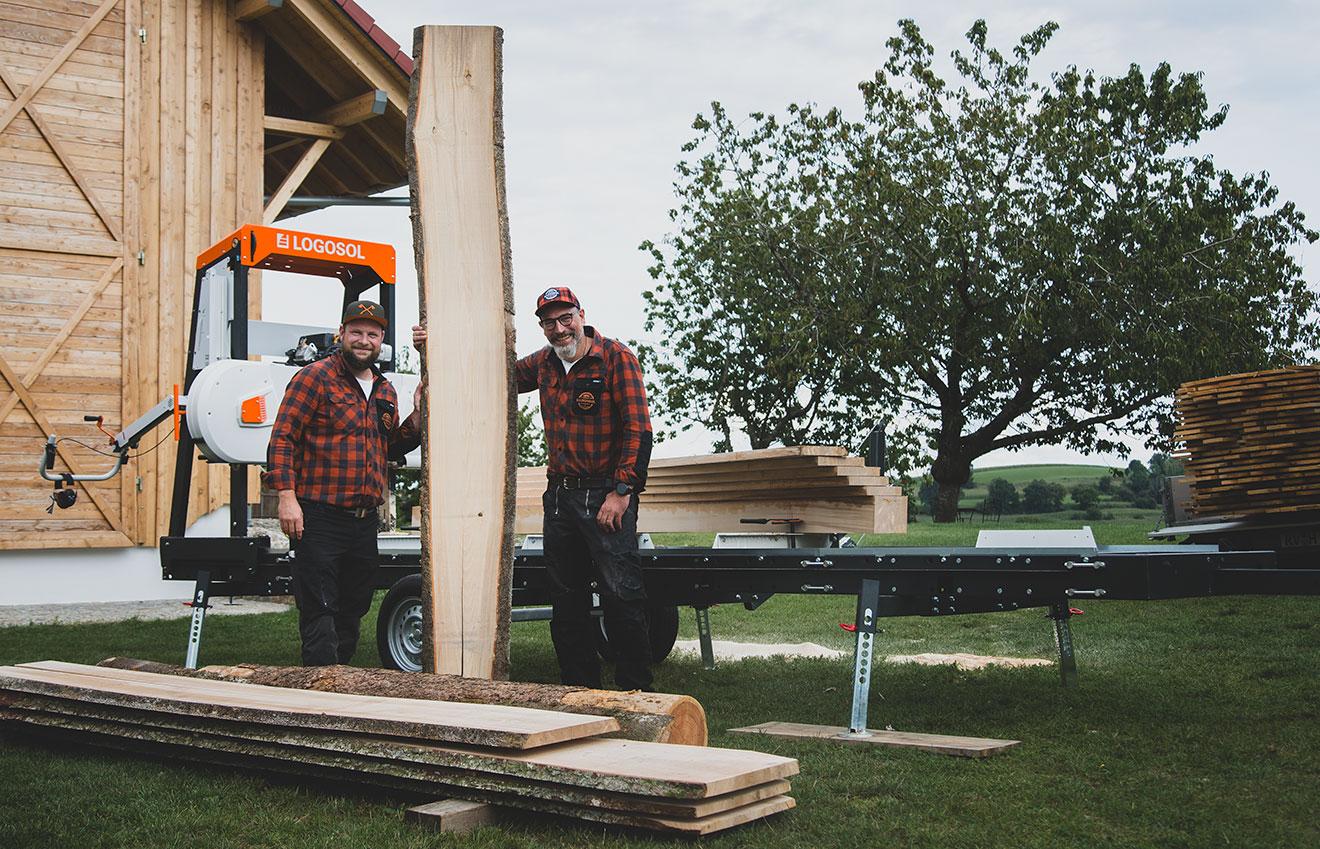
point(545, 761)
point(821, 486)
point(1251, 442)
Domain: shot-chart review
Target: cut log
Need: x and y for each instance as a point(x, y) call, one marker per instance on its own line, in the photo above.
point(653, 717)
point(478, 725)
point(455, 155)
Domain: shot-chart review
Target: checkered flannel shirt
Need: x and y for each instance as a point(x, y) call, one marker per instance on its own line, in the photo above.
point(327, 444)
point(596, 421)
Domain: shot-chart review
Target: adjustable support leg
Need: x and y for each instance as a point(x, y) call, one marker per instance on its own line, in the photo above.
point(1061, 613)
point(703, 636)
point(201, 600)
point(868, 606)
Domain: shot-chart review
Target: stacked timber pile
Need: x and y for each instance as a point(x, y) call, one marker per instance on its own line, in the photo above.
point(547, 761)
point(1252, 441)
point(820, 487)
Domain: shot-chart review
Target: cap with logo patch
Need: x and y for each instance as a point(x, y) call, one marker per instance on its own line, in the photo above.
point(556, 295)
point(365, 310)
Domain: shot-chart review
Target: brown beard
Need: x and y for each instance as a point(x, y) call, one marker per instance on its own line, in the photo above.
point(354, 362)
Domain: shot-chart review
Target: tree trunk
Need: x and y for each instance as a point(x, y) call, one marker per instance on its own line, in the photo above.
point(951, 471)
point(652, 717)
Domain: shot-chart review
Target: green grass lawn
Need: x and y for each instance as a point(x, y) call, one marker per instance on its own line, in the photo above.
point(1194, 724)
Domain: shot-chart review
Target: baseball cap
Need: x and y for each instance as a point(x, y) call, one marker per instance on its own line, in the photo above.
point(369, 310)
point(556, 295)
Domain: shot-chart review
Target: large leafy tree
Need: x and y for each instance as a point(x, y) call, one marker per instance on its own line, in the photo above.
point(995, 262)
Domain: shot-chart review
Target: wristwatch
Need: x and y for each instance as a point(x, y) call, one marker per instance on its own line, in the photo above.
point(623, 488)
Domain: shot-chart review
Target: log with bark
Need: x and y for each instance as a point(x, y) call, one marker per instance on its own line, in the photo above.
point(651, 717)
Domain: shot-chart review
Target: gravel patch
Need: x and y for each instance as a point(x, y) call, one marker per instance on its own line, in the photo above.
point(118, 611)
point(726, 650)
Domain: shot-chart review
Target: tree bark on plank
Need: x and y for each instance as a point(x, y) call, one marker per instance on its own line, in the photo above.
point(455, 156)
point(651, 717)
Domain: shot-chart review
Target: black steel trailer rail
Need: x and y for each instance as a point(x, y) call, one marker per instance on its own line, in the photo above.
point(886, 581)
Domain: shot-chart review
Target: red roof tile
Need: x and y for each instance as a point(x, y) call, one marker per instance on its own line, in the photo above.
point(368, 25)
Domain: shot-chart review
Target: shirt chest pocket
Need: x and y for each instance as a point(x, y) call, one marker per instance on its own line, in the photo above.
point(342, 411)
point(587, 396)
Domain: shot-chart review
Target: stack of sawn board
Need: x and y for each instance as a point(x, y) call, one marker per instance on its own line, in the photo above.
point(536, 760)
point(821, 487)
point(1251, 442)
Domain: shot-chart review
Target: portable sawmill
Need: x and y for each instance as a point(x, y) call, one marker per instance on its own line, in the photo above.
point(226, 408)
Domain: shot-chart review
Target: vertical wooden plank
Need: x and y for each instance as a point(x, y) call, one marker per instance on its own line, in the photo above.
point(175, 282)
point(131, 386)
point(218, 76)
point(455, 159)
point(197, 155)
point(250, 111)
point(146, 295)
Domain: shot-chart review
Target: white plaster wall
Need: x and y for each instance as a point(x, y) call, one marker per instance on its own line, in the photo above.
point(65, 575)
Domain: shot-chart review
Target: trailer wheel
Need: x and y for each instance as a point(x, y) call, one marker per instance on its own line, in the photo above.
point(399, 626)
point(663, 621)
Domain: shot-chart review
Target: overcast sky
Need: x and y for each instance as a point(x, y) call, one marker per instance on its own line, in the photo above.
point(600, 96)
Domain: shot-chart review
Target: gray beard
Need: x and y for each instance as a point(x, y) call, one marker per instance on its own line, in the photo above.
point(569, 350)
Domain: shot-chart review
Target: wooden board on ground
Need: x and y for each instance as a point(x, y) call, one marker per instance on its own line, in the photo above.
point(655, 717)
point(469, 724)
point(943, 744)
point(619, 766)
point(455, 155)
point(452, 816)
point(292, 761)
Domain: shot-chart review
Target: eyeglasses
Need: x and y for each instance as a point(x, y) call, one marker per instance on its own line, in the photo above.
point(562, 320)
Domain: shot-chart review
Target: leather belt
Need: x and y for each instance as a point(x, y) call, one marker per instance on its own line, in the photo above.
point(569, 482)
point(355, 512)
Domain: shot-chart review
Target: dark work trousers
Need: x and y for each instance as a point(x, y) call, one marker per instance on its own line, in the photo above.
point(334, 572)
point(578, 553)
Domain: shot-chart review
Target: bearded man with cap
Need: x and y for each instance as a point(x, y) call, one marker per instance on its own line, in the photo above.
point(337, 427)
point(598, 440)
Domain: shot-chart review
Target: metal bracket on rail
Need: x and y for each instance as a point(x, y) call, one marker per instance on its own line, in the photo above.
point(868, 610)
point(201, 600)
point(703, 636)
point(1061, 613)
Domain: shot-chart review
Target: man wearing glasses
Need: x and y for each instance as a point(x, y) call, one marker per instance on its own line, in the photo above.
point(598, 436)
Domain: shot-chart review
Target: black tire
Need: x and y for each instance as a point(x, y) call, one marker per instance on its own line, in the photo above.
point(399, 626)
point(663, 621)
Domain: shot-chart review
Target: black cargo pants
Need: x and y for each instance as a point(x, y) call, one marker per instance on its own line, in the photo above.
point(334, 576)
point(577, 554)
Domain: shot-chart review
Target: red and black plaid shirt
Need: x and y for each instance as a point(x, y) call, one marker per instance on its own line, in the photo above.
point(596, 421)
point(330, 444)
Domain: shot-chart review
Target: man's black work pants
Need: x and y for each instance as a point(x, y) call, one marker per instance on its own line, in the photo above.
point(334, 573)
point(577, 554)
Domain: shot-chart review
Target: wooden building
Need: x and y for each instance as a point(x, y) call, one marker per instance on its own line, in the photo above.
point(134, 134)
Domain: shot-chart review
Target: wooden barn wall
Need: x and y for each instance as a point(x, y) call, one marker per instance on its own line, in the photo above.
point(145, 148)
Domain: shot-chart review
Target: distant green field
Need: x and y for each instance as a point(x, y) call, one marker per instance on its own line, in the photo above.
point(1065, 475)
point(1058, 473)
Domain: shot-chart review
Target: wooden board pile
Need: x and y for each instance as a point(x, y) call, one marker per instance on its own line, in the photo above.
point(1251, 441)
point(821, 487)
point(547, 761)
